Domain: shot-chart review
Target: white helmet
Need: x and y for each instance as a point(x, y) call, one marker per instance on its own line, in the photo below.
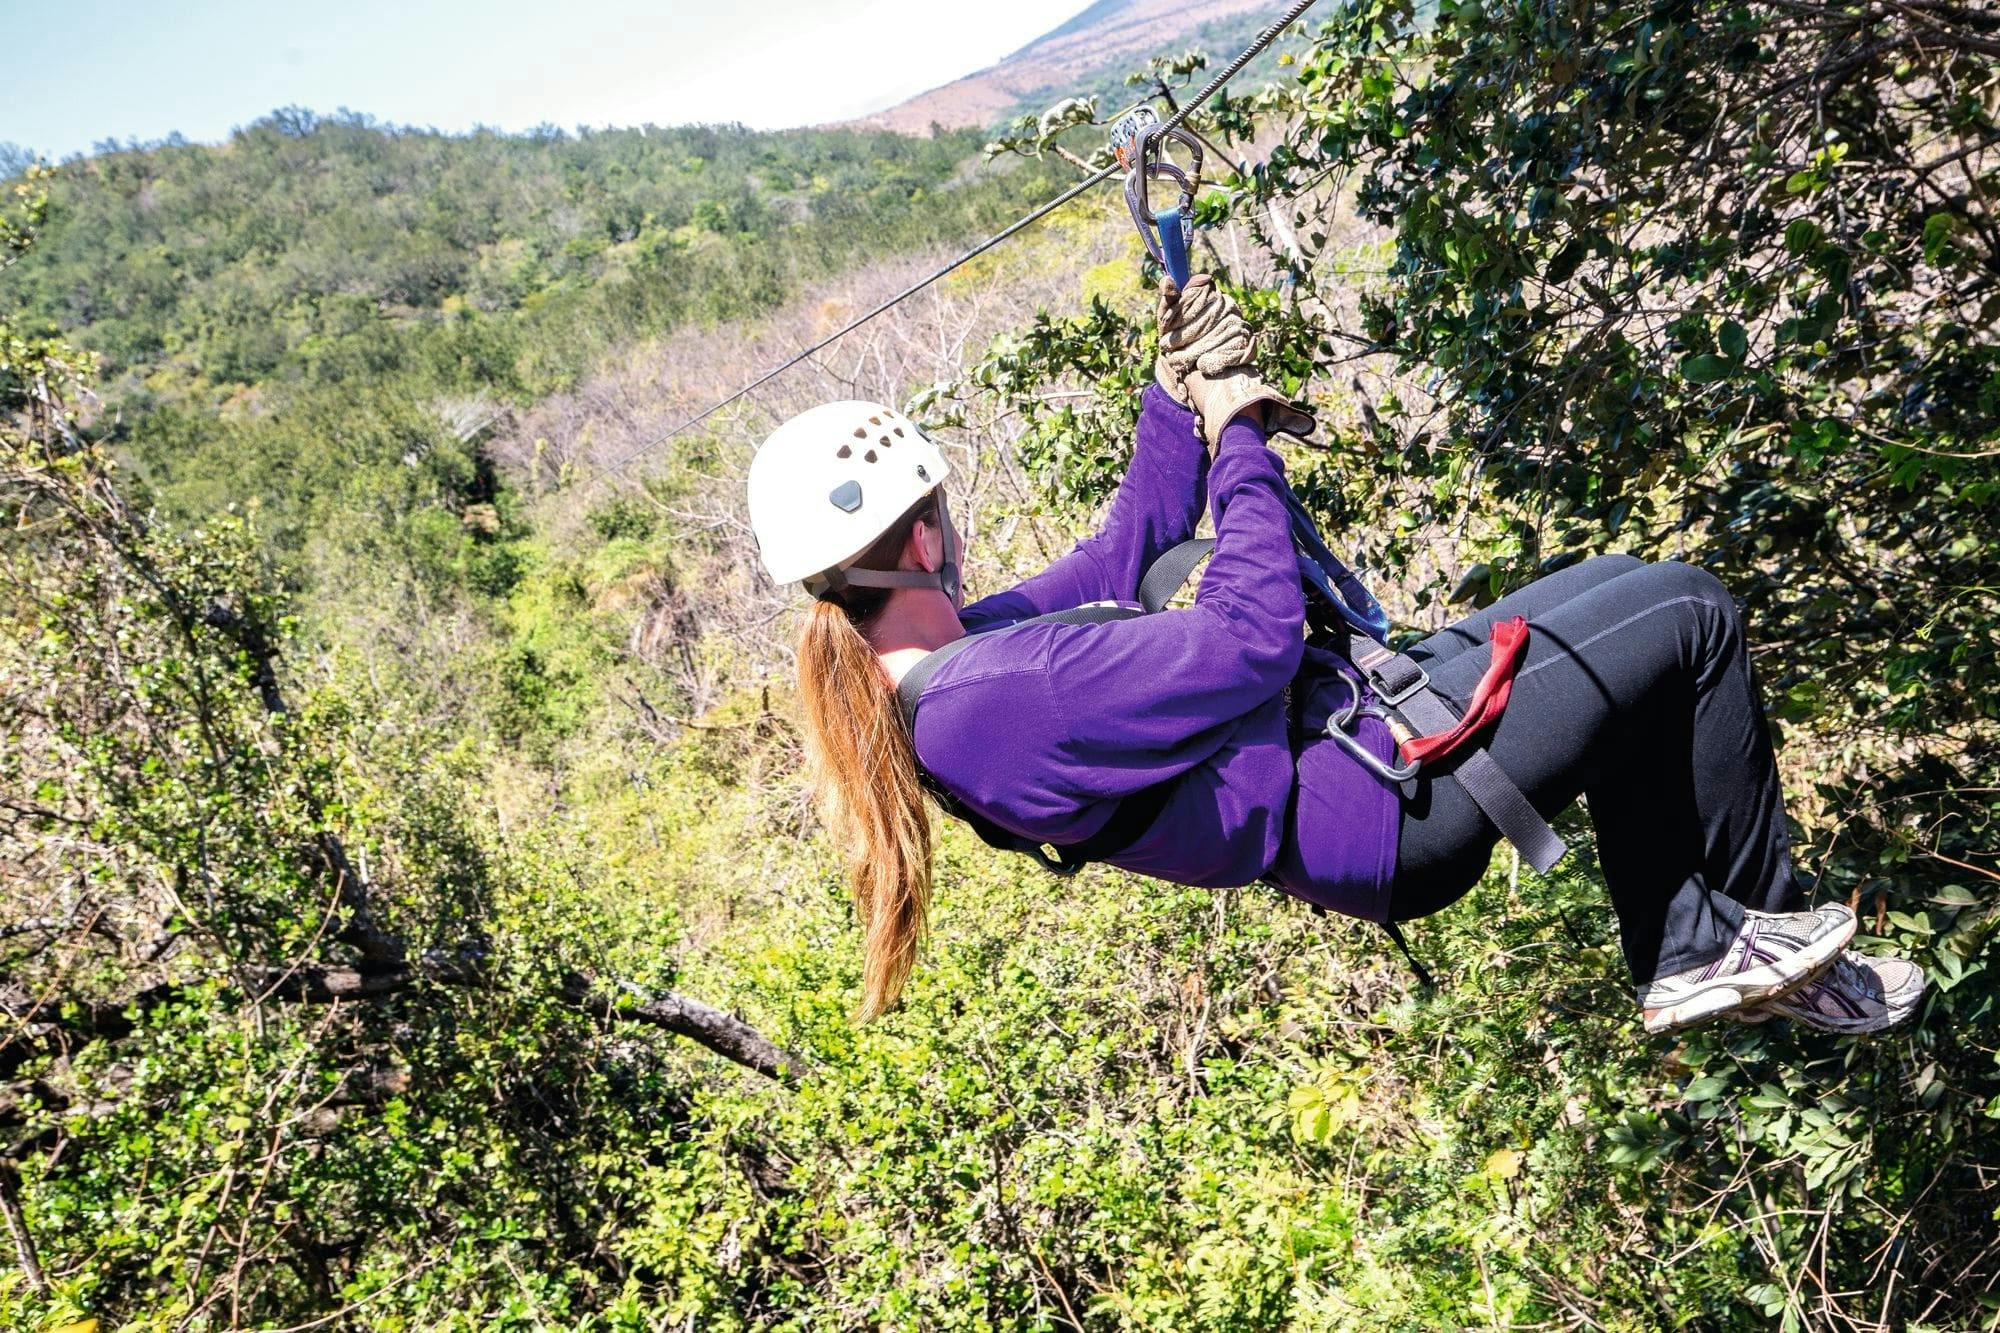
point(827, 484)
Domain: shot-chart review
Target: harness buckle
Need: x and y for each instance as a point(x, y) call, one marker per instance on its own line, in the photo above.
point(1421, 682)
point(1378, 663)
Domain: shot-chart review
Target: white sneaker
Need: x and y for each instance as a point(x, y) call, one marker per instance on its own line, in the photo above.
point(1857, 994)
point(1772, 954)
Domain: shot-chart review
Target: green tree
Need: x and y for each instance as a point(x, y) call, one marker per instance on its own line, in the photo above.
point(1715, 282)
point(281, 1017)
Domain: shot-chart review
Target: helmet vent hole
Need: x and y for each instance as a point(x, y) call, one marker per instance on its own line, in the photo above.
point(874, 421)
point(860, 432)
point(869, 456)
point(899, 432)
point(885, 442)
point(845, 452)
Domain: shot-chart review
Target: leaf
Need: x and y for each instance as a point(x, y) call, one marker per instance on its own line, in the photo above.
point(1317, 1125)
point(1505, 1164)
point(1705, 1089)
point(1476, 580)
point(1705, 368)
point(1939, 228)
point(1564, 265)
point(1733, 341)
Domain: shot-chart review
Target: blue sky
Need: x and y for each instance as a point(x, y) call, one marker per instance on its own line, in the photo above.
point(87, 70)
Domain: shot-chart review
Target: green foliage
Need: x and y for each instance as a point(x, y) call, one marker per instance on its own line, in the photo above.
point(287, 323)
point(1633, 296)
point(283, 1018)
point(334, 248)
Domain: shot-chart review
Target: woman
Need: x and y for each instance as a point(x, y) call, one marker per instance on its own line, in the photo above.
point(1635, 691)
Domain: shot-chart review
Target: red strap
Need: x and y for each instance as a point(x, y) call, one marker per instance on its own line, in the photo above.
point(1510, 641)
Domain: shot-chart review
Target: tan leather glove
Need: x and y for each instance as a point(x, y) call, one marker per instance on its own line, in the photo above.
point(1206, 352)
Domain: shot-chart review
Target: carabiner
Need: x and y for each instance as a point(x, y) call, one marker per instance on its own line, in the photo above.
point(1341, 728)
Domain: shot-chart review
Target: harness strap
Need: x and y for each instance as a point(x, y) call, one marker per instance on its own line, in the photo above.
point(1403, 685)
point(911, 687)
point(1169, 574)
point(1332, 579)
point(1129, 821)
point(1396, 934)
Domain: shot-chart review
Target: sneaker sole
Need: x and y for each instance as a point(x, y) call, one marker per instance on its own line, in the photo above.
point(1771, 981)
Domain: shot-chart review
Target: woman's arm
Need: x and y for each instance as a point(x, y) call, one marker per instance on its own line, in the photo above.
point(1153, 683)
point(1158, 505)
point(1052, 717)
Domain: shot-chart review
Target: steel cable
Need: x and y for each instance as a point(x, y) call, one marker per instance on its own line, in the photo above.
point(1214, 85)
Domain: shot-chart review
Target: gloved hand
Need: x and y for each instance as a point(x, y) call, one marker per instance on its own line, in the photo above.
point(1205, 356)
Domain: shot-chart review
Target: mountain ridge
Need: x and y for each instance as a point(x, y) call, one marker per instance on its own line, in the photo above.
point(1060, 62)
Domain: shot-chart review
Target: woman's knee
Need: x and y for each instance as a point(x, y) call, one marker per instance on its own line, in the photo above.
point(1718, 619)
point(1692, 580)
point(1614, 565)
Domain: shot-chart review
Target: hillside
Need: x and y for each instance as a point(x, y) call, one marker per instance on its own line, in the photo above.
point(1074, 58)
point(389, 292)
point(243, 261)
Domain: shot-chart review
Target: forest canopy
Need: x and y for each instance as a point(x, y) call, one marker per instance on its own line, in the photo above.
point(413, 914)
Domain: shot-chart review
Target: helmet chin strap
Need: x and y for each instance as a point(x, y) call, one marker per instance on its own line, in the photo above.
point(945, 580)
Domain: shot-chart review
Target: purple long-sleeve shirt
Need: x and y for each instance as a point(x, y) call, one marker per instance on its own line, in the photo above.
point(1044, 729)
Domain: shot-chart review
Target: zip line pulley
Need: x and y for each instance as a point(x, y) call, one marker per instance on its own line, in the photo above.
point(1137, 142)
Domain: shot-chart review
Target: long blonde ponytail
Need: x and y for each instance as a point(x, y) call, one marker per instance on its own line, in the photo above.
point(865, 769)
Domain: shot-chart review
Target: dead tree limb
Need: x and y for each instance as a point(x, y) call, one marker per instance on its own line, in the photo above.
point(327, 983)
point(17, 1231)
point(724, 1033)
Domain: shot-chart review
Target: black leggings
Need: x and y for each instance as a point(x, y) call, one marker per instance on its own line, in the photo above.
point(1635, 693)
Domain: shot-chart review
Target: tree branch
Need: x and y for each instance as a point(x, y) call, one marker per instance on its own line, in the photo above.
point(17, 1231)
point(328, 983)
point(723, 1033)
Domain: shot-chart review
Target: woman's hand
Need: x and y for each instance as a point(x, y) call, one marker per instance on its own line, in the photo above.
point(1206, 352)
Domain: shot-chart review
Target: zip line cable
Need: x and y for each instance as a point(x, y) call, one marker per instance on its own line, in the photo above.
point(1251, 52)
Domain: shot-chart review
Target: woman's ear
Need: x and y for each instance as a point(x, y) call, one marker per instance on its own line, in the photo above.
point(925, 549)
